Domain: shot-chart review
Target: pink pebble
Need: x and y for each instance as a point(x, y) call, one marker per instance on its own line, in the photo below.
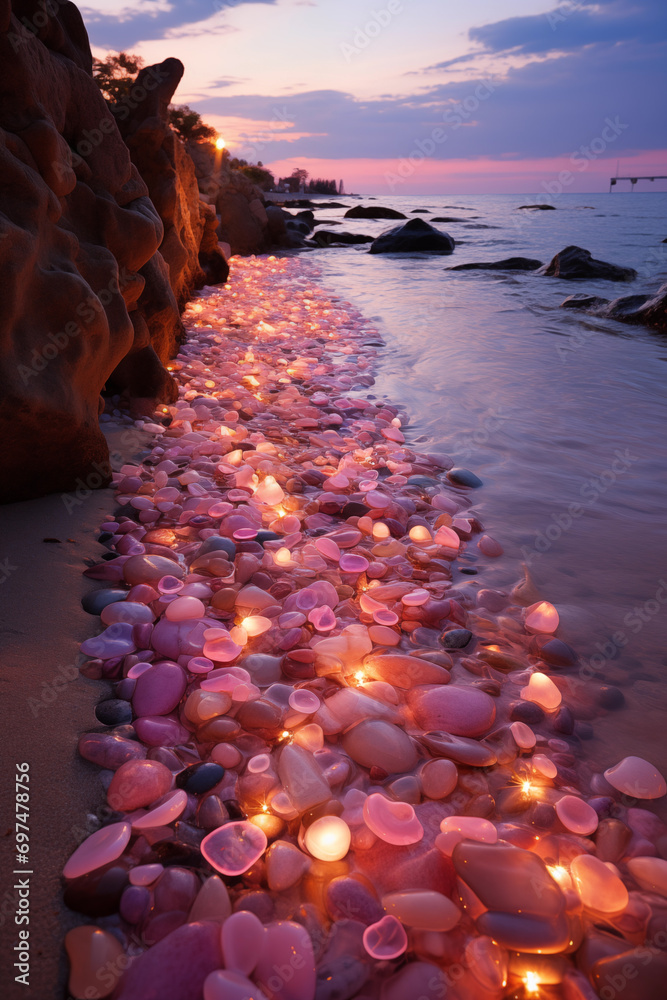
point(304, 701)
point(101, 848)
point(200, 665)
point(245, 534)
point(415, 598)
point(138, 669)
point(393, 822)
point(184, 608)
point(328, 548)
point(242, 941)
point(145, 874)
point(322, 618)
point(488, 546)
point(386, 939)
point(385, 617)
point(524, 736)
point(170, 585)
point(351, 563)
point(576, 815)
point(234, 848)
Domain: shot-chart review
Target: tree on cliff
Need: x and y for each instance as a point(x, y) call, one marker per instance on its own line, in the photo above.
point(189, 124)
point(115, 75)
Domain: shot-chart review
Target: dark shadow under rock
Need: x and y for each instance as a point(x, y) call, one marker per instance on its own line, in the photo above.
point(509, 264)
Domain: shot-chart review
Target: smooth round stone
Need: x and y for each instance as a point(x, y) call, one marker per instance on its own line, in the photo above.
point(553, 651)
point(381, 744)
point(101, 848)
point(490, 547)
point(145, 874)
point(200, 778)
point(610, 697)
point(222, 985)
point(544, 765)
point(386, 939)
point(134, 904)
point(541, 617)
point(650, 874)
point(439, 778)
point(159, 690)
point(287, 944)
point(404, 671)
point(113, 712)
point(456, 638)
point(148, 569)
point(116, 640)
point(92, 954)
point(464, 477)
point(183, 608)
point(212, 902)
point(393, 822)
point(164, 814)
point(137, 784)
point(422, 909)
point(636, 777)
point(351, 563)
point(598, 887)
point(285, 865)
point(460, 711)
point(524, 933)
point(304, 701)
point(524, 737)
point(159, 731)
point(109, 750)
point(176, 967)
point(218, 543)
point(234, 848)
point(127, 611)
point(242, 942)
point(351, 899)
point(488, 963)
point(328, 838)
point(508, 879)
point(576, 815)
point(528, 712)
point(97, 600)
point(470, 828)
point(542, 690)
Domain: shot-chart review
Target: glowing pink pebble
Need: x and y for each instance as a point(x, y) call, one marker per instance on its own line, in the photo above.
point(291, 524)
point(101, 848)
point(328, 548)
point(306, 600)
point(184, 608)
point(393, 822)
point(234, 848)
point(291, 619)
point(242, 942)
point(256, 625)
point(378, 501)
point(322, 618)
point(541, 617)
point(145, 874)
point(576, 815)
point(163, 814)
point(442, 502)
point(259, 764)
point(385, 617)
point(170, 585)
point(383, 636)
point(524, 736)
point(447, 537)
point(237, 495)
point(221, 649)
point(304, 701)
point(415, 598)
point(138, 669)
point(542, 690)
point(544, 765)
point(636, 777)
point(386, 939)
point(200, 665)
point(490, 547)
point(350, 563)
point(226, 754)
point(471, 828)
point(245, 534)
point(369, 604)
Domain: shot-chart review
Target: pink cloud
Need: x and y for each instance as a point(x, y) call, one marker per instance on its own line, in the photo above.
point(554, 175)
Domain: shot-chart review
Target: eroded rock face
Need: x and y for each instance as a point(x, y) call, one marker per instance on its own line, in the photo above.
point(76, 228)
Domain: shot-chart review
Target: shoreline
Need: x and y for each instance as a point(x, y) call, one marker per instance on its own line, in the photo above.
point(296, 379)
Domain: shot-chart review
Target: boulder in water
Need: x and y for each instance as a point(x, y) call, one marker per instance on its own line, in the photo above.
point(509, 264)
point(573, 263)
point(415, 236)
point(373, 212)
point(646, 310)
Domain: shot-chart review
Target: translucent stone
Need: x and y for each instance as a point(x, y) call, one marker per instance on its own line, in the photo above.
point(508, 879)
point(159, 690)
point(541, 617)
point(542, 690)
point(351, 563)
point(223, 985)
point(322, 618)
point(137, 784)
point(524, 737)
point(423, 910)
point(636, 777)
point(234, 848)
point(183, 608)
point(576, 815)
point(177, 966)
point(285, 865)
point(448, 538)
point(96, 962)
point(164, 814)
point(468, 828)
point(404, 671)
point(310, 737)
point(415, 598)
point(544, 765)
point(393, 822)
point(439, 778)
point(287, 959)
point(242, 942)
point(487, 962)
point(650, 874)
point(101, 848)
point(301, 778)
point(598, 887)
point(381, 744)
point(328, 838)
point(386, 939)
point(145, 874)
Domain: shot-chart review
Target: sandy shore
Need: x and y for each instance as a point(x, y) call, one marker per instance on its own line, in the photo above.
point(46, 707)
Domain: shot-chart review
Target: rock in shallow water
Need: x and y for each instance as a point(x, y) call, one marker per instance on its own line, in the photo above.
point(415, 236)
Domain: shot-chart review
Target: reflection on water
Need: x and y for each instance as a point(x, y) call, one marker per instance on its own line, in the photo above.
point(562, 415)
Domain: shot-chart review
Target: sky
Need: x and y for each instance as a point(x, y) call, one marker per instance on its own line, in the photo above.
point(417, 96)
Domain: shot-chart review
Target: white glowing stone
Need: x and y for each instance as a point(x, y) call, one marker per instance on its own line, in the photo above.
point(542, 690)
point(328, 838)
point(542, 617)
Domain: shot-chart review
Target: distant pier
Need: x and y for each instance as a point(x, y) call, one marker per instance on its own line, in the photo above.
point(633, 180)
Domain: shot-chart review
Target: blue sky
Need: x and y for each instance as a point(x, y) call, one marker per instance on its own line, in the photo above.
point(354, 88)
